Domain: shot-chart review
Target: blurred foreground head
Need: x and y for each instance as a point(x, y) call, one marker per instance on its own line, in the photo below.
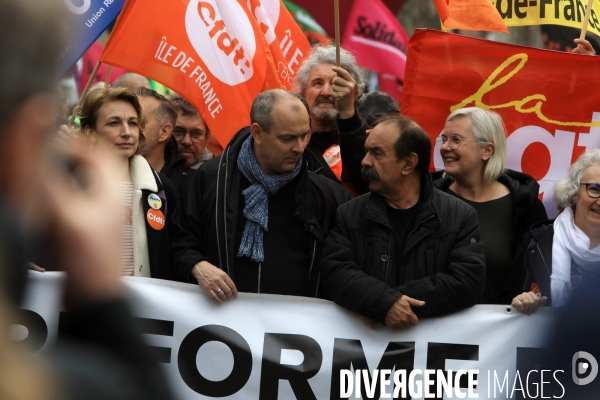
point(30, 46)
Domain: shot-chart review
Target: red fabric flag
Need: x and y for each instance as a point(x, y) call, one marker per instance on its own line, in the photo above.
point(474, 15)
point(376, 37)
point(287, 42)
point(391, 85)
point(549, 101)
point(211, 52)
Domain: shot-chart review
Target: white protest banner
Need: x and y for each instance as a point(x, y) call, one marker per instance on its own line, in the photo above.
point(279, 347)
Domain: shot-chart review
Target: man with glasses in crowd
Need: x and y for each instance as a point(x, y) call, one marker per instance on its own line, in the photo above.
point(191, 134)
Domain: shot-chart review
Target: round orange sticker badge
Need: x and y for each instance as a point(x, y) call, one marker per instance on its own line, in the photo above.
point(156, 219)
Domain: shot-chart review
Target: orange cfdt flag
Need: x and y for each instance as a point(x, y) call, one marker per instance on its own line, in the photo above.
point(287, 42)
point(473, 15)
point(211, 52)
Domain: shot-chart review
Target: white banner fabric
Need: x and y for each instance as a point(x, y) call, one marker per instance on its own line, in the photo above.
point(265, 346)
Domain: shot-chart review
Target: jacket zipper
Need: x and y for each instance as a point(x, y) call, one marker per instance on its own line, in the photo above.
point(312, 261)
point(387, 267)
point(543, 260)
point(259, 274)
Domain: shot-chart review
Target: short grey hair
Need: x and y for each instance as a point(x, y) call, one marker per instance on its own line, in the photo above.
point(262, 106)
point(326, 55)
point(487, 127)
point(566, 190)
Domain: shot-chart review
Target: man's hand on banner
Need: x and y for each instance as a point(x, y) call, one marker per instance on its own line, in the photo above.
point(583, 47)
point(528, 302)
point(369, 322)
point(343, 90)
point(400, 315)
point(217, 284)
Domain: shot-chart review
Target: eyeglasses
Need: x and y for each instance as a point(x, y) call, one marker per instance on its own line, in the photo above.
point(195, 136)
point(592, 190)
point(454, 142)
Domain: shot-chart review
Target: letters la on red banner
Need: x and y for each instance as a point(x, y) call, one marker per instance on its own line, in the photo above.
point(211, 52)
point(549, 101)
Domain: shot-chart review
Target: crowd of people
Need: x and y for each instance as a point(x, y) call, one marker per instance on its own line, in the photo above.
point(318, 197)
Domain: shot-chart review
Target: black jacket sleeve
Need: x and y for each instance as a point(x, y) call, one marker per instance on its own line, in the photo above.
point(353, 134)
point(185, 248)
point(460, 283)
point(346, 283)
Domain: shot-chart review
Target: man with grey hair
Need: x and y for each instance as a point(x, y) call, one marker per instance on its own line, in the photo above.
point(333, 94)
point(258, 216)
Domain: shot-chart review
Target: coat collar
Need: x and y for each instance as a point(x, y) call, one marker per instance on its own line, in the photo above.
point(141, 174)
point(377, 208)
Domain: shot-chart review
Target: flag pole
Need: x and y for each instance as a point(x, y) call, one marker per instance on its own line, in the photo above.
point(107, 81)
point(336, 5)
point(588, 10)
point(85, 91)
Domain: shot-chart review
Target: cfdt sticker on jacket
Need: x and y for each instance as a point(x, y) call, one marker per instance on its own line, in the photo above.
point(156, 219)
point(154, 201)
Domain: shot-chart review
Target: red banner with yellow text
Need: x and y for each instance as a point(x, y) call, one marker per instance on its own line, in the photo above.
point(287, 42)
point(211, 52)
point(549, 101)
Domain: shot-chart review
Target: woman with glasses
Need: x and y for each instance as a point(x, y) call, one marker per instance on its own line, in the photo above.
point(563, 254)
point(112, 119)
point(473, 149)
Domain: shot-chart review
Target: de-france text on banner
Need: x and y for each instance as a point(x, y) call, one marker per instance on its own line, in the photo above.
point(549, 101)
point(556, 12)
point(213, 53)
point(279, 347)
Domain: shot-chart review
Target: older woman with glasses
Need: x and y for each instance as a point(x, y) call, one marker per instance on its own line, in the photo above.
point(473, 149)
point(562, 255)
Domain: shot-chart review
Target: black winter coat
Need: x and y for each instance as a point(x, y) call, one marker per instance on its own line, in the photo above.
point(159, 242)
point(442, 264)
point(213, 207)
point(538, 260)
point(528, 209)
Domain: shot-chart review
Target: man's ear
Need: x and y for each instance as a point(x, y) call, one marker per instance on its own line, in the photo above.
point(165, 132)
point(488, 151)
point(409, 163)
point(256, 132)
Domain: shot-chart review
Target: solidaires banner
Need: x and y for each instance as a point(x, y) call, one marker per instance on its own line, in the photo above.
point(279, 347)
point(556, 12)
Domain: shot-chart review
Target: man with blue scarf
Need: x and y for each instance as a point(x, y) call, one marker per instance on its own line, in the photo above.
point(257, 214)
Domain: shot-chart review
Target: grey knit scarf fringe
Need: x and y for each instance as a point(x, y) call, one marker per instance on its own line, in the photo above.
point(256, 199)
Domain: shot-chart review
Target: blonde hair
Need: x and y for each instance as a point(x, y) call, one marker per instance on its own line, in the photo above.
point(487, 127)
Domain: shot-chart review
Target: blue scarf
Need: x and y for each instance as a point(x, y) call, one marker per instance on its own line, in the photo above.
point(256, 199)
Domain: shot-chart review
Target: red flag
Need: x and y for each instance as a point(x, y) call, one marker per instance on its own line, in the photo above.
point(391, 85)
point(287, 42)
point(474, 15)
point(211, 52)
point(547, 99)
point(376, 37)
